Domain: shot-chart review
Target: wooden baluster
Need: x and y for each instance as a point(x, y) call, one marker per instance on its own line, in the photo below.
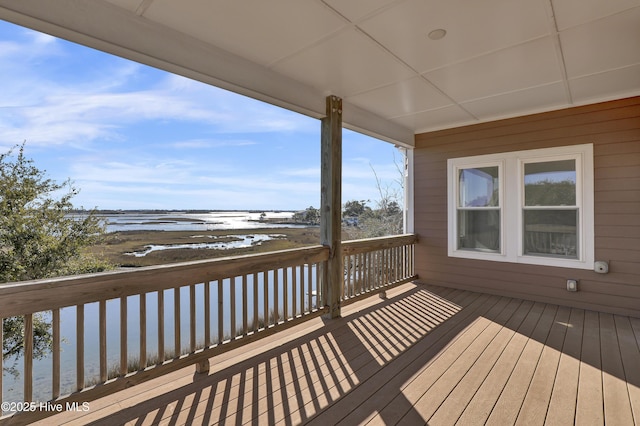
point(55, 330)
point(80, 347)
point(176, 323)
point(301, 292)
point(383, 267)
point(373, 275)
point(321, 271)
point(323, 290)
point(407, 264)
point(265, 276)
point(102, 325)
point(412, 259)
point(396, 264)
point(362, 272)
point(192, 318)
point(386, 264)
point(405, 261)
point(207, 314)
point(412, 249)
point(28, 358)
point(276, 297)
point(123, 336)
point(310, 286)
point(255, 302)
point(391, 265)
point(399, 263)
point(394, 252)
point(245, 307)
point(355, 273)
point(232, 289)
point(143, 331)
point(285, 294)
point(102, 339)
point(347, 282)
point(354, 280)
point(379, 268)
point(294, 291)
point(374, 270)
point(160, 326)
point(220, 312)
point(368, 274)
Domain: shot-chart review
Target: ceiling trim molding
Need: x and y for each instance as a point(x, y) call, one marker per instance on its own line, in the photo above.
point(106, 27)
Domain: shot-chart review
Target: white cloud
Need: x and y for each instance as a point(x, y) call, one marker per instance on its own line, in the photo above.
point(312, 172)
point(41, 38)
point(139, 173)
point(45, 109)
point(212, 143)
point(170, 185)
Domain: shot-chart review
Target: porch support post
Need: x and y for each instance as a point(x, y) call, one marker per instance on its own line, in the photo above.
point(408, 191)
point(331, 202)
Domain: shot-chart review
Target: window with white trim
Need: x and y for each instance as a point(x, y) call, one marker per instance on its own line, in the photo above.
point(532, 207)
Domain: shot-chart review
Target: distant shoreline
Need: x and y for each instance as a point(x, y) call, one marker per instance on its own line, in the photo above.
point(177, 211)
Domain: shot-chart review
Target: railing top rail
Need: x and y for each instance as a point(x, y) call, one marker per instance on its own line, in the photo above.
point(379, 243)
point(27, 297)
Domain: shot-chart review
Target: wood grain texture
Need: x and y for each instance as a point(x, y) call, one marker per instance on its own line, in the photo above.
point(426, 354)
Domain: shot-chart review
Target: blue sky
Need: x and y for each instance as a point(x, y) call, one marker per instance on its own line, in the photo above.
point(133, 137)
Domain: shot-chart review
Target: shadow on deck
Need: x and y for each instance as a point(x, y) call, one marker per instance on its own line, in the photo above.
point(425, 354)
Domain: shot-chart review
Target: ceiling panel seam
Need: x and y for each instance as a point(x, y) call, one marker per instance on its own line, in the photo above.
point(429, 110)
point(557, 44)
point(599, 18)
point(368, 15)
point(486, 53)
point(591, 74)
point(325, 37)
point(143, 6)
point(328, 36)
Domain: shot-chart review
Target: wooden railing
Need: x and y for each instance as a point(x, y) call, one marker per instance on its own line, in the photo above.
point(112, 330)
point(376, 264)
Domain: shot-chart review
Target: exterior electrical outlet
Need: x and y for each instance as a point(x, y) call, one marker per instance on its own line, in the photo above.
point(601, 267)
point(572, 285)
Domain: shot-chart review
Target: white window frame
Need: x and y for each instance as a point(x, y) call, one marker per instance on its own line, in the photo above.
point(511, 192)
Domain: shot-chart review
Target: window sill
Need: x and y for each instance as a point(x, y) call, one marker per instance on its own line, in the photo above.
point(524, 260)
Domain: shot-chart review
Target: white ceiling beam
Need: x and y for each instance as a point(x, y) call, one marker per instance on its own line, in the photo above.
point(105, 27)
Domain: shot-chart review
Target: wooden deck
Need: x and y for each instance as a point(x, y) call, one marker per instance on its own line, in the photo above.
point(423, 355)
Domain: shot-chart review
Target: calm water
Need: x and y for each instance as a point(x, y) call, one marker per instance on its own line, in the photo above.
point(176, 221)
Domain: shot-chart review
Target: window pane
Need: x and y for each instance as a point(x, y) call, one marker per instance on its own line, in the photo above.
point(551, 232)
point(552, 183)
point(479, 230)
point(478, 187)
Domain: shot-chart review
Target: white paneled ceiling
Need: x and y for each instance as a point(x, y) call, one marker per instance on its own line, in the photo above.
point(499, 58)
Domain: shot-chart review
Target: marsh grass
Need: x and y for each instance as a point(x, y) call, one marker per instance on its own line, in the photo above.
point(115, 244)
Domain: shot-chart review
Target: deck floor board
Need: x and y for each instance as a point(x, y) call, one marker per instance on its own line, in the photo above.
point(424, 354)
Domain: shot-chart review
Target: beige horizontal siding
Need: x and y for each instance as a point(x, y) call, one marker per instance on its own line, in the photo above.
point(614, 129)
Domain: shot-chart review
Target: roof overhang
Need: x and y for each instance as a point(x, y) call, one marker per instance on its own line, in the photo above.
point(498, 59)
